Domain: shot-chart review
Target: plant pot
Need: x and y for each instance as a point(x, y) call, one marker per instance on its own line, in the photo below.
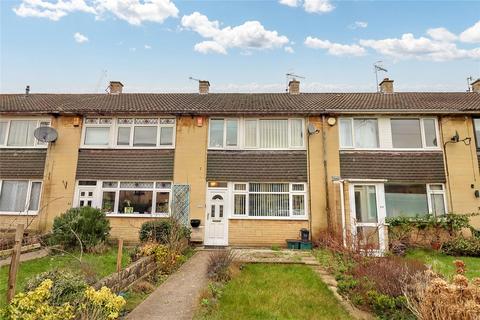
point(195, 223)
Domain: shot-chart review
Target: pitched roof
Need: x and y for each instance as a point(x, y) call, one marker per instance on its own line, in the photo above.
point(240, 103)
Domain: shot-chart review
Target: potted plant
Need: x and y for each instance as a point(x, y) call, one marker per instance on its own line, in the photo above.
point(127, 206)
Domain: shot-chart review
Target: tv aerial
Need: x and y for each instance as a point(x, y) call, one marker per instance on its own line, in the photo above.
point(377, 66)
point(291, 76)
point(45, 134)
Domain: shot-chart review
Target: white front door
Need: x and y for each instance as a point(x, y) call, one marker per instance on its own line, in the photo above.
point(216, 227)
point(367, 203)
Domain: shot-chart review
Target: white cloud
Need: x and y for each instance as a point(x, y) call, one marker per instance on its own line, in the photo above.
point(471, 34)
point(80, 38)
point(134, 12)
point(290, 3)
point(441, 34)
point(310, 6)
point(147, 46)
point(420, 48)
point(318, 6)
point(249, 35)
point(358, 25)
point(335, 49)
point(289, 50)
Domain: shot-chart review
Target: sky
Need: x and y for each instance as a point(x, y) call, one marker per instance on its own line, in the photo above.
point(77, 46)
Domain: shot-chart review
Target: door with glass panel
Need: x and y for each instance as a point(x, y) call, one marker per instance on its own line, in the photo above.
point(368, 216)
point(216, 227)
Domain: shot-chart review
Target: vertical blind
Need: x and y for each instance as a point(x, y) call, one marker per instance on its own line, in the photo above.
point(273, 133)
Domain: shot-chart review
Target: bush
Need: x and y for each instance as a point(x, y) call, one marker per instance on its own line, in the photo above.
point(36, 304)
point(430, 297)
point(461, 246)
point(67, 287)
point(101, 305)
point(85, 224)
point(159, 231)
point(219, 264)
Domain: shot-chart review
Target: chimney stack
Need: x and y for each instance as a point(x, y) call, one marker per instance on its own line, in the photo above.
point(203, 86)
point(476, 86)
point(27, 90)
point(386, 86)
point(115, 87)
point(294, 87)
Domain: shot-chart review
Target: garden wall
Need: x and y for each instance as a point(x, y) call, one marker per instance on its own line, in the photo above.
point(122, 280)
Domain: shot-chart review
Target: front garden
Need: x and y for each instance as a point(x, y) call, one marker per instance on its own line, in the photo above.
point(79, 279)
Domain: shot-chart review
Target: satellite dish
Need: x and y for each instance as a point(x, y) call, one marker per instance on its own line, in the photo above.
point(312, 129)
point(46, 134)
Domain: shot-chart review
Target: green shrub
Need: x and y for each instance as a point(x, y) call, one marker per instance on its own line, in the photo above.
point(462, 247)
point(159, 231)
point(67, 286)
point(89, 225)
point(388, 307)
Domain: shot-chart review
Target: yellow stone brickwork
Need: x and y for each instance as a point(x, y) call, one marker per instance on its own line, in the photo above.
point(244, 232)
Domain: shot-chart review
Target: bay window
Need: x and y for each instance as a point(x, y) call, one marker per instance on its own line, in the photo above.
point(129, 132)
point(410, 200)
point(19, 132)
point(256, 133)
point(20, 196)
point(269, 200)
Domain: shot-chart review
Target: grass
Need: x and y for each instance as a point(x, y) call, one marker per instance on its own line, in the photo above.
point(101, 264)
point(266, 291)
point(443, 263)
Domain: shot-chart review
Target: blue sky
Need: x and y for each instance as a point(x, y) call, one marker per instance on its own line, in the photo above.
point(239, 46)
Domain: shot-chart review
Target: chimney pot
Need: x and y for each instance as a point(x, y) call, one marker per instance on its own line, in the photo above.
point(115, 87)
point(386, 86)
point(294, 87)
point(203, 87)
point(476, 86)
point(27, 90)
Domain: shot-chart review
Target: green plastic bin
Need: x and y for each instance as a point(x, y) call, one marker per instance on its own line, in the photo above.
point(293, 244)
point(306, 245)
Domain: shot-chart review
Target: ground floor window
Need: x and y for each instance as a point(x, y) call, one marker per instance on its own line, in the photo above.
point(409, 200)
point(126, 197)
point(269, 200)
point(21, 196)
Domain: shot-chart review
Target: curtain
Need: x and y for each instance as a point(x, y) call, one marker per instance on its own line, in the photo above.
point(166, 136)
point(3, 132)
point(296, 132)
point(346, 133)
point(250, 133)
point(366, 133)
point(35, 196)
point(273, 134)
point(13, 196)
point(97, 135)
point(21, 132)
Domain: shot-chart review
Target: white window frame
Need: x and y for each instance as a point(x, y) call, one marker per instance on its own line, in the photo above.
point(385, 137)
point(36, 143)
point(113, 132)
point(430, 192)
point(246, 192)
point(98, 190)
point(241, 134)
point(26, 212)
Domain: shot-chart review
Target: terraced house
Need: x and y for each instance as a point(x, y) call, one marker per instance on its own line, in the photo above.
point(254, 168)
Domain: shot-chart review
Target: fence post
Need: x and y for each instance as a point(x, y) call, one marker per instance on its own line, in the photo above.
point(119, 255)
point(14, 263)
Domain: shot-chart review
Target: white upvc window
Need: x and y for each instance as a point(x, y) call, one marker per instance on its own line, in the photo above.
point(397, 133)
point(437, 200)
point(20, 196)
point(255, 133)
point(126, 198)
point(256, 200)
point(18, 132)
point(129, 132)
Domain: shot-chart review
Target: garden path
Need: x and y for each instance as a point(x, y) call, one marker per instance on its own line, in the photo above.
point(177, 298)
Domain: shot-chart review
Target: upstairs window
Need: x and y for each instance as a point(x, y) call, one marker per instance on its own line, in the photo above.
point(359, 133)
point(414, 133)
point(129, 132)
point(476, 123)
point(19, 133)
point(256, 133)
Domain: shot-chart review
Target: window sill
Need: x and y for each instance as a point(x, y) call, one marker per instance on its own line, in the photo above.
point(23, 147)
point(27, 214)
point(136, 215)
point(300, 218)
point(391, 149)
point(125, 148)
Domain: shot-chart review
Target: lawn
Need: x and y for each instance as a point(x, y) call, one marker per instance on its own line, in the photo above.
point(443, 264)
point(100, 264)
point(266, 291)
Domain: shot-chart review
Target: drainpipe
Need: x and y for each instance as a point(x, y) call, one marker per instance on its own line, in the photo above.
point(324, 147)
point(309, 186)
point(342, 210)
